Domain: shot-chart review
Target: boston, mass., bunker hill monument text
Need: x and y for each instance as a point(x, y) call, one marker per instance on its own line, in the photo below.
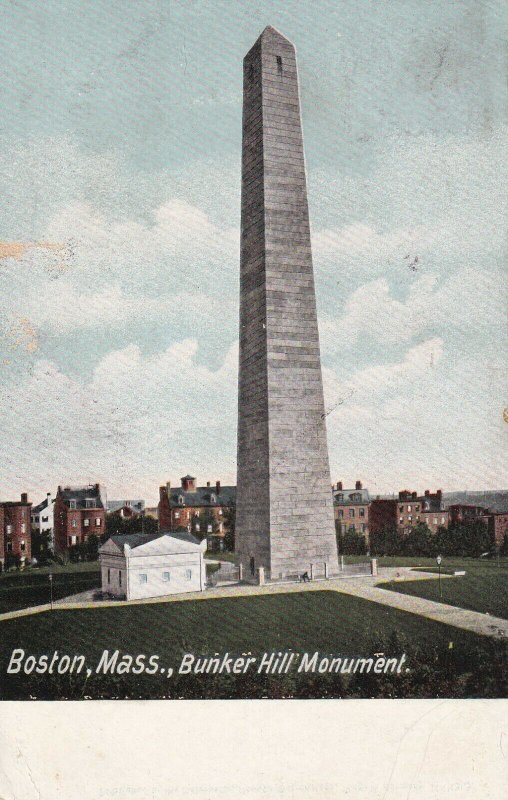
point(284, 521)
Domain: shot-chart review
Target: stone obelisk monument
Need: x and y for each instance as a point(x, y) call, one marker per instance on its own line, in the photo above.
point(284, 521)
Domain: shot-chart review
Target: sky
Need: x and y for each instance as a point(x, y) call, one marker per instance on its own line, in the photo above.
point(120, 151)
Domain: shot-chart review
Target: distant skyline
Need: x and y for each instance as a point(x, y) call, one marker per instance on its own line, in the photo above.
point(119, 239)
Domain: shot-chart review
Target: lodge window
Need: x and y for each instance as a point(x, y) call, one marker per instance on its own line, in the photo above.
point(109, 576)
point(44, 519)
point(188, 574)
point(119, 577)
point(143, 577)
point(165, 576)
point(279, 65)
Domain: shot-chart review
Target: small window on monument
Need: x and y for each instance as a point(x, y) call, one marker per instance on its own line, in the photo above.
point(279, 65)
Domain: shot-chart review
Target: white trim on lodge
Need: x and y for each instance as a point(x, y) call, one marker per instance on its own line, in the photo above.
point(152, 565)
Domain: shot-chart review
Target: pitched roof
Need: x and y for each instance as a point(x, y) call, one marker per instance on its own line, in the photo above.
point(116, 505)
point(163, 542)
point(81, 494)
point(41, 506)
point(202, 497)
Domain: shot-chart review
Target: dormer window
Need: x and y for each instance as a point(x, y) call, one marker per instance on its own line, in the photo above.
point(72, 504)
point(213, 498)
point(279, 65)
point(89, 503)
point(180, 499)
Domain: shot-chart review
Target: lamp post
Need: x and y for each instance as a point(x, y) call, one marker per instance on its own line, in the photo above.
point(51, 589)
point(439, 559)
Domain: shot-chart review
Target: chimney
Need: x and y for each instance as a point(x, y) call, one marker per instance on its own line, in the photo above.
point(24, 497)
point(414, 495)
point(427, 492)
point(168, 487)
point(217, 486)
point(208, 484)
point(339, 486)
point(162, 492)
point(439, 493)
point(358, 485)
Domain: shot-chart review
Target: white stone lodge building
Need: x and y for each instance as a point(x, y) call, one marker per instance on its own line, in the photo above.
point(140, 565)
point(42, 518)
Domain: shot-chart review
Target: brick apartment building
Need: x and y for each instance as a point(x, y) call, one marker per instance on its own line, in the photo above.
point(351, 508)
point(15, 530)
point(498, 526)
point(407, 511)
point(180, 506)
point(79, 511)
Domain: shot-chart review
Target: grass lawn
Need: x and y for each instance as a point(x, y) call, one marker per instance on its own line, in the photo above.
point(30, 587)
point(483, 588)
point(304, 622)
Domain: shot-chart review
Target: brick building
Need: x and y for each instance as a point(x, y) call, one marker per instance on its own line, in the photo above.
point(351, 508)
point(407, 511)
point(15, 530)
point(465, 512)
point(79, 511)
point(181, 506)
point(497, 522)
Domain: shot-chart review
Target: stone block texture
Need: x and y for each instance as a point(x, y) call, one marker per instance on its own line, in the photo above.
point(285, 517)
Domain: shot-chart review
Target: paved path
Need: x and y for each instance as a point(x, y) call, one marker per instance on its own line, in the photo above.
point(361, 586)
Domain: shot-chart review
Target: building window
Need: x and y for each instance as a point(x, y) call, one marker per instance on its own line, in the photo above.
point(9, 547)
point(109, 576)
point(44, 519)
point(165, 576)
point(435, 520)
point(409, 518)
point(417, 508)
point(89, 503)
point(98, 522)
point(8, 530)
point(401, 520)
point(36, 519)
point(362, 512)
point(74, 539)
point(352, 528)
point(339, 497)
point(180, 499)
point(220, 512)
point(209, 529)
point(177, 515)
point(188, 574)
point(86, 523)
point(351, 512)
point(74, 523)
point(213, 498)
point(23, 527)
point(442, 520)
point(143, 577)
point(409, 508)
point(341, 513)
point(22, 545)
point(279, 65)
point(119, 577)
point(72, 504)
point(196, 527)
point(363, 527)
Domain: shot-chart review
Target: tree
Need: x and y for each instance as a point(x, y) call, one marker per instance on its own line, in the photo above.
point(138, 523)
point(92, 545)
point(385, 542)
point(229, 520)
point(40, 548)
point(351, 543)
point(419, 541)
point(204, 524)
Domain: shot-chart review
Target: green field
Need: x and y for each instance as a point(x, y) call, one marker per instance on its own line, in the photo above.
point(303, 622)
point(483, 588)
point(31, 587)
